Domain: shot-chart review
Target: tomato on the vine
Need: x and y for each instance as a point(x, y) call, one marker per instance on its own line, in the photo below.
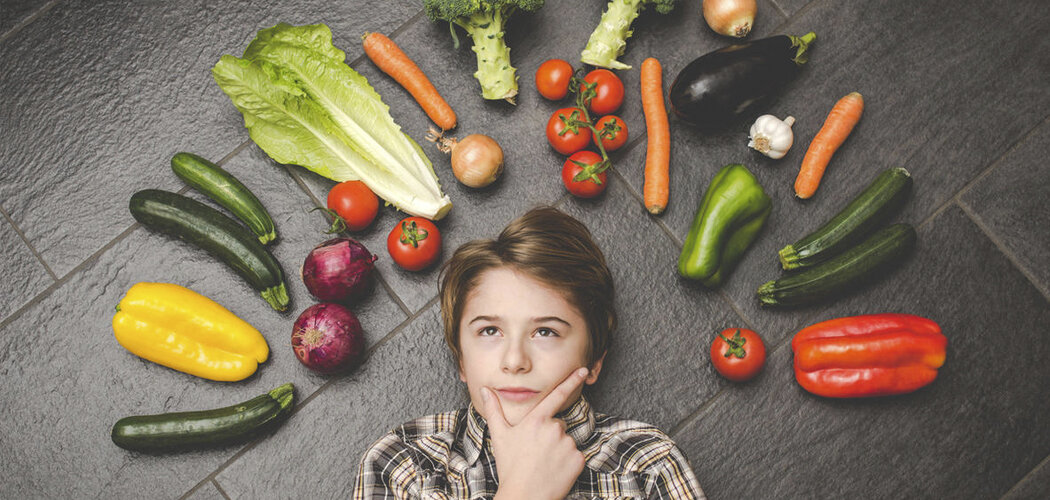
point(355, 203)
point(612, 131)
point(584, 174)
point(566, 133)
point(414, 243)
point(738, 354)
point(552, 79)
point(602, 91)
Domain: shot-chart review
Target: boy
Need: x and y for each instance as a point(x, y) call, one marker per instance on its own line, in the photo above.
point(528, 318)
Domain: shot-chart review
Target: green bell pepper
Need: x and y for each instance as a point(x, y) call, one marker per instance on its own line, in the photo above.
point(731, 214)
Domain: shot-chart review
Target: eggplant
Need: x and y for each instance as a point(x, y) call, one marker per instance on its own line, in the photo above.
point(720, 88)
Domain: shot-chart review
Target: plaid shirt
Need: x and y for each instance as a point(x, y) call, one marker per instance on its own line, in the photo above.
point(449, 455)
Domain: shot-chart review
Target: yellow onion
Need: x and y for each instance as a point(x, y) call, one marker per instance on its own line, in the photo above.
point(730, 17)
point(477, 159)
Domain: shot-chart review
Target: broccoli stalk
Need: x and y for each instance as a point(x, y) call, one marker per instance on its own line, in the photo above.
point(484, 21)
point(609, 39)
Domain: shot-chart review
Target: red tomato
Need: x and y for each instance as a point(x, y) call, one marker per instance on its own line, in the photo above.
point(414, 243)
point(612, 131)
point(552, 79)
point(607, 91)
point(738, 354)
point(579, 173)
point(355, 203)
point(565, 135)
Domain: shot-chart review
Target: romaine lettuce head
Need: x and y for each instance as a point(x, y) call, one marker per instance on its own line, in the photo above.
point(303, 105)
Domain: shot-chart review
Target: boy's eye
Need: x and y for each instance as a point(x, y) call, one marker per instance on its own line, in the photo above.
point(546, 332)
point(489, 331)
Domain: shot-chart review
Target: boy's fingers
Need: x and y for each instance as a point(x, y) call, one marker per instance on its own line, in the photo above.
point(492, 410)
point(560, 395)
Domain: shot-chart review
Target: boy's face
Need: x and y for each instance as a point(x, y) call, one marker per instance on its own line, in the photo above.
point(520, 339)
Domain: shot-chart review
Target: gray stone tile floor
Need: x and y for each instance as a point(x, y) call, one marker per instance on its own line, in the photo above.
point(97, 96)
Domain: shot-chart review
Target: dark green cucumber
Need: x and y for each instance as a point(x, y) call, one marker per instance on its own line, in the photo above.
point(849, 269)
point(884, 196)
point(198, 429)
point(226, 190)
point(207, 228)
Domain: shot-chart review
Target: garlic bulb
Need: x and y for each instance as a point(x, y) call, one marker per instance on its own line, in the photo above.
point(771, 136)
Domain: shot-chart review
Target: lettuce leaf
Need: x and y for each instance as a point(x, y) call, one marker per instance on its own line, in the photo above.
point(303, 105)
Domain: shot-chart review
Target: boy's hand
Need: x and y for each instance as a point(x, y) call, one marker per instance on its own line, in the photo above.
point(535, 458)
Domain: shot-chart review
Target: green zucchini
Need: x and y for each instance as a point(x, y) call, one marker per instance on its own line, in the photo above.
point(198, 429)
point(849, 269)
point(226, 190)
point(207, 228)
point(884, 196)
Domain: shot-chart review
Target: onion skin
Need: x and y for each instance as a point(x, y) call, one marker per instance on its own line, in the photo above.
point(477, 160)
point(327, 338)
point(730, 17)
point(338, 270)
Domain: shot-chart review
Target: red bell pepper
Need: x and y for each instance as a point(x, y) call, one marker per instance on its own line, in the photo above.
point(871, 355)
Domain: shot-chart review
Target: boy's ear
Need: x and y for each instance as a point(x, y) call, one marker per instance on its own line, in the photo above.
point(462, 376)
point(595, 369)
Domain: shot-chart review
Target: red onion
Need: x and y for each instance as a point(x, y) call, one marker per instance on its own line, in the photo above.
point(338, 270)
point(327, 338)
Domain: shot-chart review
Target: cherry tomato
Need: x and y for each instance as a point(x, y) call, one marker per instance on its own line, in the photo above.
point(414, 243)
point(355, 203)
point(552, 79)
point(565, 135)
point(612, 131)
point(607, 89)
point(738, 354)
point(579, 173)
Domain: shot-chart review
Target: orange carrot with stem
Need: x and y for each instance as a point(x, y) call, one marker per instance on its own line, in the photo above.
point(656, 187)
point(394, 62)
point(837, 127)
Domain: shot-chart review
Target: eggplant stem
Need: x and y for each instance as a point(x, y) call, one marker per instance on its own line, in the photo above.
point(802, 42)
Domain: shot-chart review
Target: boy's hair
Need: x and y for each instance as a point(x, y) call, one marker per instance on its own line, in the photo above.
point(552, 248)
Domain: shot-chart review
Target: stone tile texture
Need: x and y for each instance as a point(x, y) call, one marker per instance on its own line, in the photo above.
point(14, 12)
point(89, 127)
point(1011, 202)
point(26, 275)
point(99, 95)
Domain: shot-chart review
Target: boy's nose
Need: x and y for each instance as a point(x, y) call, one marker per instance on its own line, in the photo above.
point(515, 359)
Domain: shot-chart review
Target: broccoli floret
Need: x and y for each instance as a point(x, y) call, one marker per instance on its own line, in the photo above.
point(609, 39)
point(484, 21)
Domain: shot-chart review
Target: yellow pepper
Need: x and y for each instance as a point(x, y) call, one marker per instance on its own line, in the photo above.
point(186, 331)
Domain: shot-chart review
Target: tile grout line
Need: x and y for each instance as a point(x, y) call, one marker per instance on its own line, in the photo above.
point(1044, 463)
point(795, 15)
point(61, 281)
point(32, 249)
point(302, 404)
point(999, 245)
point(984, 173)
point(780, 9)
point(692, 417)
point(221, 491)
point(27, 21)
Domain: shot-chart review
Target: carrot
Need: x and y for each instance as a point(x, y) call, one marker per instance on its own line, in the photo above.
point(394, 62)
point(656, 188)
point(837, 127)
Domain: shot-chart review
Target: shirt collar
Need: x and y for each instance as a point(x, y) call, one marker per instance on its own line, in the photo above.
point(579, 425)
